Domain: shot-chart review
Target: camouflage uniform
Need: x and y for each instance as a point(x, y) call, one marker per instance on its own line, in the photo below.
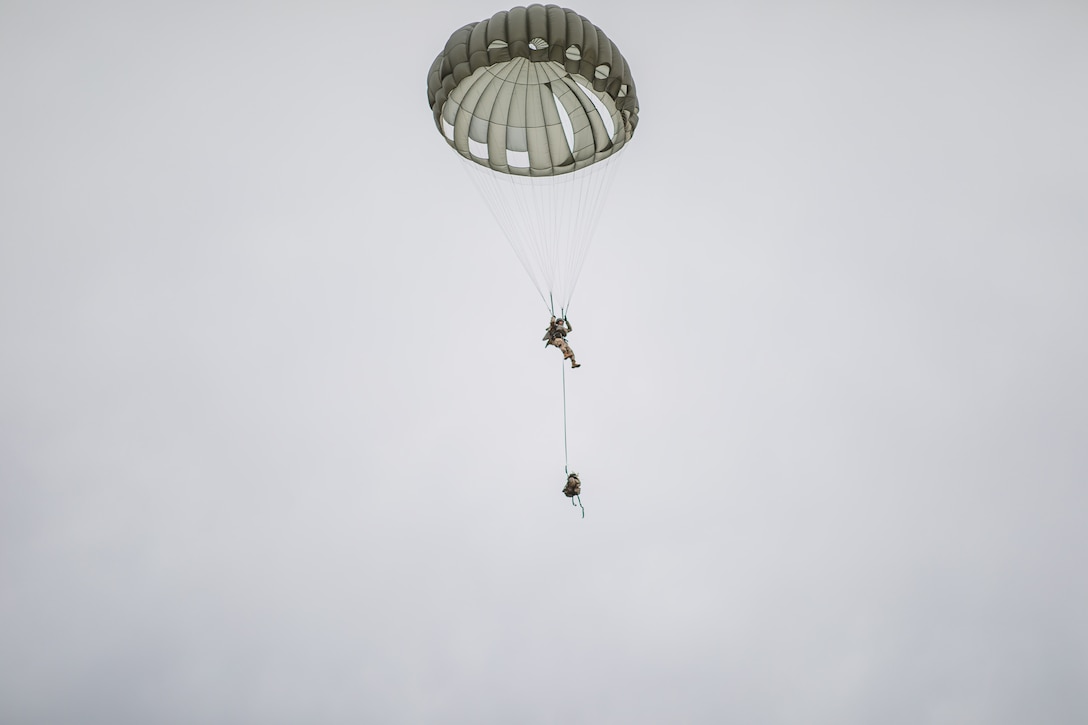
point(557, 335)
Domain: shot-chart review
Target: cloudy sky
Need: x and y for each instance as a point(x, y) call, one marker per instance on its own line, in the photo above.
point(279, 442)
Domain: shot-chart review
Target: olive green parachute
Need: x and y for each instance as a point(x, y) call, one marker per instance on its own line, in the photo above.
point(540, 101)
point(533, 91)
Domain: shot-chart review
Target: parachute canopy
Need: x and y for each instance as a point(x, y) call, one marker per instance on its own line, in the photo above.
point(538, 96)
point(533, 91)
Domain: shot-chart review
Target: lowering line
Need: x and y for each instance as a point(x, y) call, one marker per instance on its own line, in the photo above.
point(575, 500)
point(566, 457)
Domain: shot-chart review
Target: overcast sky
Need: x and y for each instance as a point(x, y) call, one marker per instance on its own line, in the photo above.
point(279, 442)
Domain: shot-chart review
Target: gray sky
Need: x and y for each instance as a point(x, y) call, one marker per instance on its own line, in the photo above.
point(279, 442)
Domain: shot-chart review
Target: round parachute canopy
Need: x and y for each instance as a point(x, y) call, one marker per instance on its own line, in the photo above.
point(533, 91)
point(540, 101)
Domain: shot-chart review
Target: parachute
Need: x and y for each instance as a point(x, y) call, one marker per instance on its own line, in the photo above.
point(539, 102)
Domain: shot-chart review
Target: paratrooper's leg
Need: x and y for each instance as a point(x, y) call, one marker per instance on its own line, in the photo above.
point(568, 352)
